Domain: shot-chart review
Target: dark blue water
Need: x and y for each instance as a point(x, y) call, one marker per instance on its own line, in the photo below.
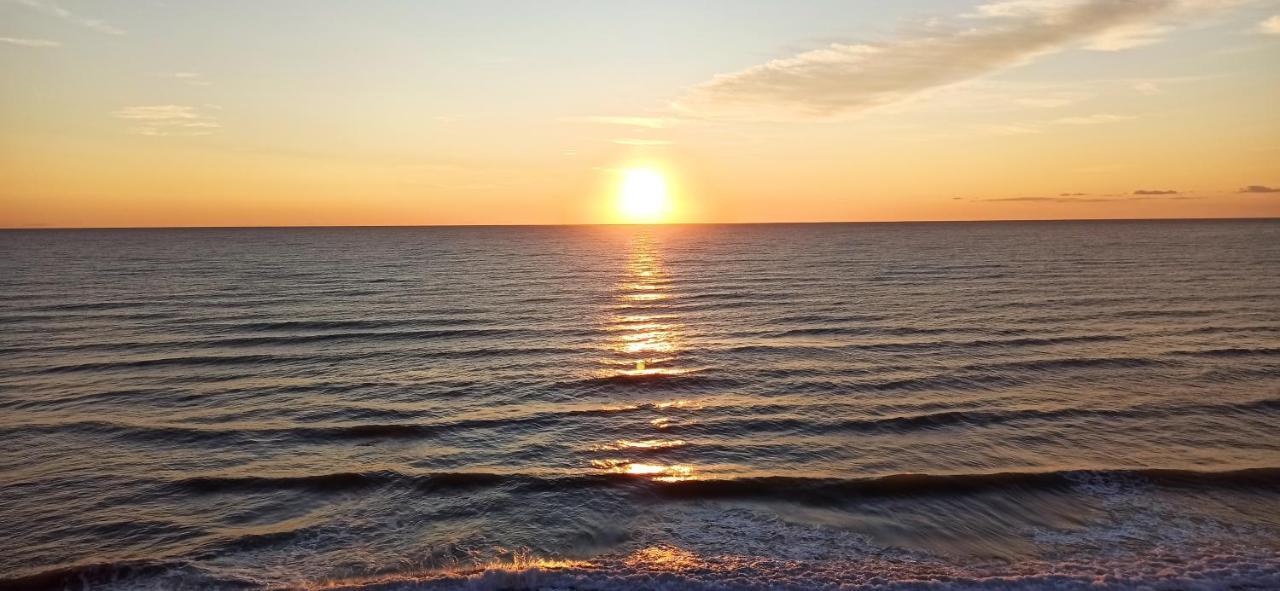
point(980, 405)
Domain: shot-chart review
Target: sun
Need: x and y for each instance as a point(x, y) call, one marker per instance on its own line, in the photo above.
point(643, 197)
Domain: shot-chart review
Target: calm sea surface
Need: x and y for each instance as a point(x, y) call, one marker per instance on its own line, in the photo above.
point(899, 406)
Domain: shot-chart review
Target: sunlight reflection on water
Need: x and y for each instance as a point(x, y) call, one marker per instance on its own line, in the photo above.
point(645, 343)
point(642, 344)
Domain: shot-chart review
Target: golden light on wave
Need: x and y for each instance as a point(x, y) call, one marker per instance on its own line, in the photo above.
point(664, 558)
point(643, 197)
point(643, 345)
point(678, 403)
point(662, 472)
point(643, 444)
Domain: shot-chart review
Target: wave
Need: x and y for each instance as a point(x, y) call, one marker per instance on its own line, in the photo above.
point(384, 336)
point(858, 331)
point(79, 306)
point(183, 361)
point(904, 346)
point(780, 488)
point(296, 325)
point(827, 491)
point(1231, 352)
point(825, 382)
point(794, 319)
point(1041, 365)
point(275, 358)
point(1016, 342)
point(170, 434)
point(177, 573)
point(340, 481)
point(682, 381)
point(968, 418)
point(665, 567)
point(734, 423)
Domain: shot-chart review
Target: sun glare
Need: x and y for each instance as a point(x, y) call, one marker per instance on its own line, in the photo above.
point(643, 196)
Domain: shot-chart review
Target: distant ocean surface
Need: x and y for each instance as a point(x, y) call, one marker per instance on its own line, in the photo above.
point(1039, 405)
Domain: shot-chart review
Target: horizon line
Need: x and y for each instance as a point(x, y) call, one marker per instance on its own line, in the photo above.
point(609, 224)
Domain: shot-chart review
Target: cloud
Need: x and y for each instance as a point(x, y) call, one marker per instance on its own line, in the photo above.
point(1038, 127)
point(1092, 119)
point(1147, 88)
point(1042, 103)
point(1052, 199)
point(1259, 189)
point(159, 113)
point(1154, 192)
point(191, 78)
point(640, 142)
point(169, 120)
point(1086, 198)
point(645, 122)
point(29, 42)
point(1270, 26)
point(52, 8)
point(847, 78)
point(1129, 37)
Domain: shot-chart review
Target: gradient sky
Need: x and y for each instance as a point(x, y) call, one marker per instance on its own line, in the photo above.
point(313, 112)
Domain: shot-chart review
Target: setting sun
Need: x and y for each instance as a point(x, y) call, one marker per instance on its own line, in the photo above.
point(643, 196)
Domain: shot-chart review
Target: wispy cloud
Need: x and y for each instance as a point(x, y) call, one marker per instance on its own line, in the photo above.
point(1085, 198)
point(1155, 192)
point(1128, 37)
point(29, 42)
point(1073, 121)
point(1092, 119)
point(190, 78)
point(1147, 88)
point(628, 121)
point(169, 120)
point(1050, 199)
point(640, 142)
point(848, 78)
point(1270, 26)
point(52, 8)
point(1259, 189)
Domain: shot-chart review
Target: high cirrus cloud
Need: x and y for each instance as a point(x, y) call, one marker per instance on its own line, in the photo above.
point(24, 42)
point(846, 78)
point(52, 8)
point(170, 119)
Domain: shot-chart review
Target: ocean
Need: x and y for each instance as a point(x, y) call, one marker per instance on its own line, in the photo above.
point(1005, 405)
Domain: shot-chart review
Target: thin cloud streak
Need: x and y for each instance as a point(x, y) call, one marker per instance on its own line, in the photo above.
point(1076, 121)
point(628, 121)
point(842, 79)
point(1089, 199)
point(52, 8)
point(30, 42)
point(160, 120)
point(640, 142)
point(191, 78)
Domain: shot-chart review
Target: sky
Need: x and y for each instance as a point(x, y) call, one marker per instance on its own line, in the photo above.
point(394, 112)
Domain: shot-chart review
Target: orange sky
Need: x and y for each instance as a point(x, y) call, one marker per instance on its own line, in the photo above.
point(393, 113)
